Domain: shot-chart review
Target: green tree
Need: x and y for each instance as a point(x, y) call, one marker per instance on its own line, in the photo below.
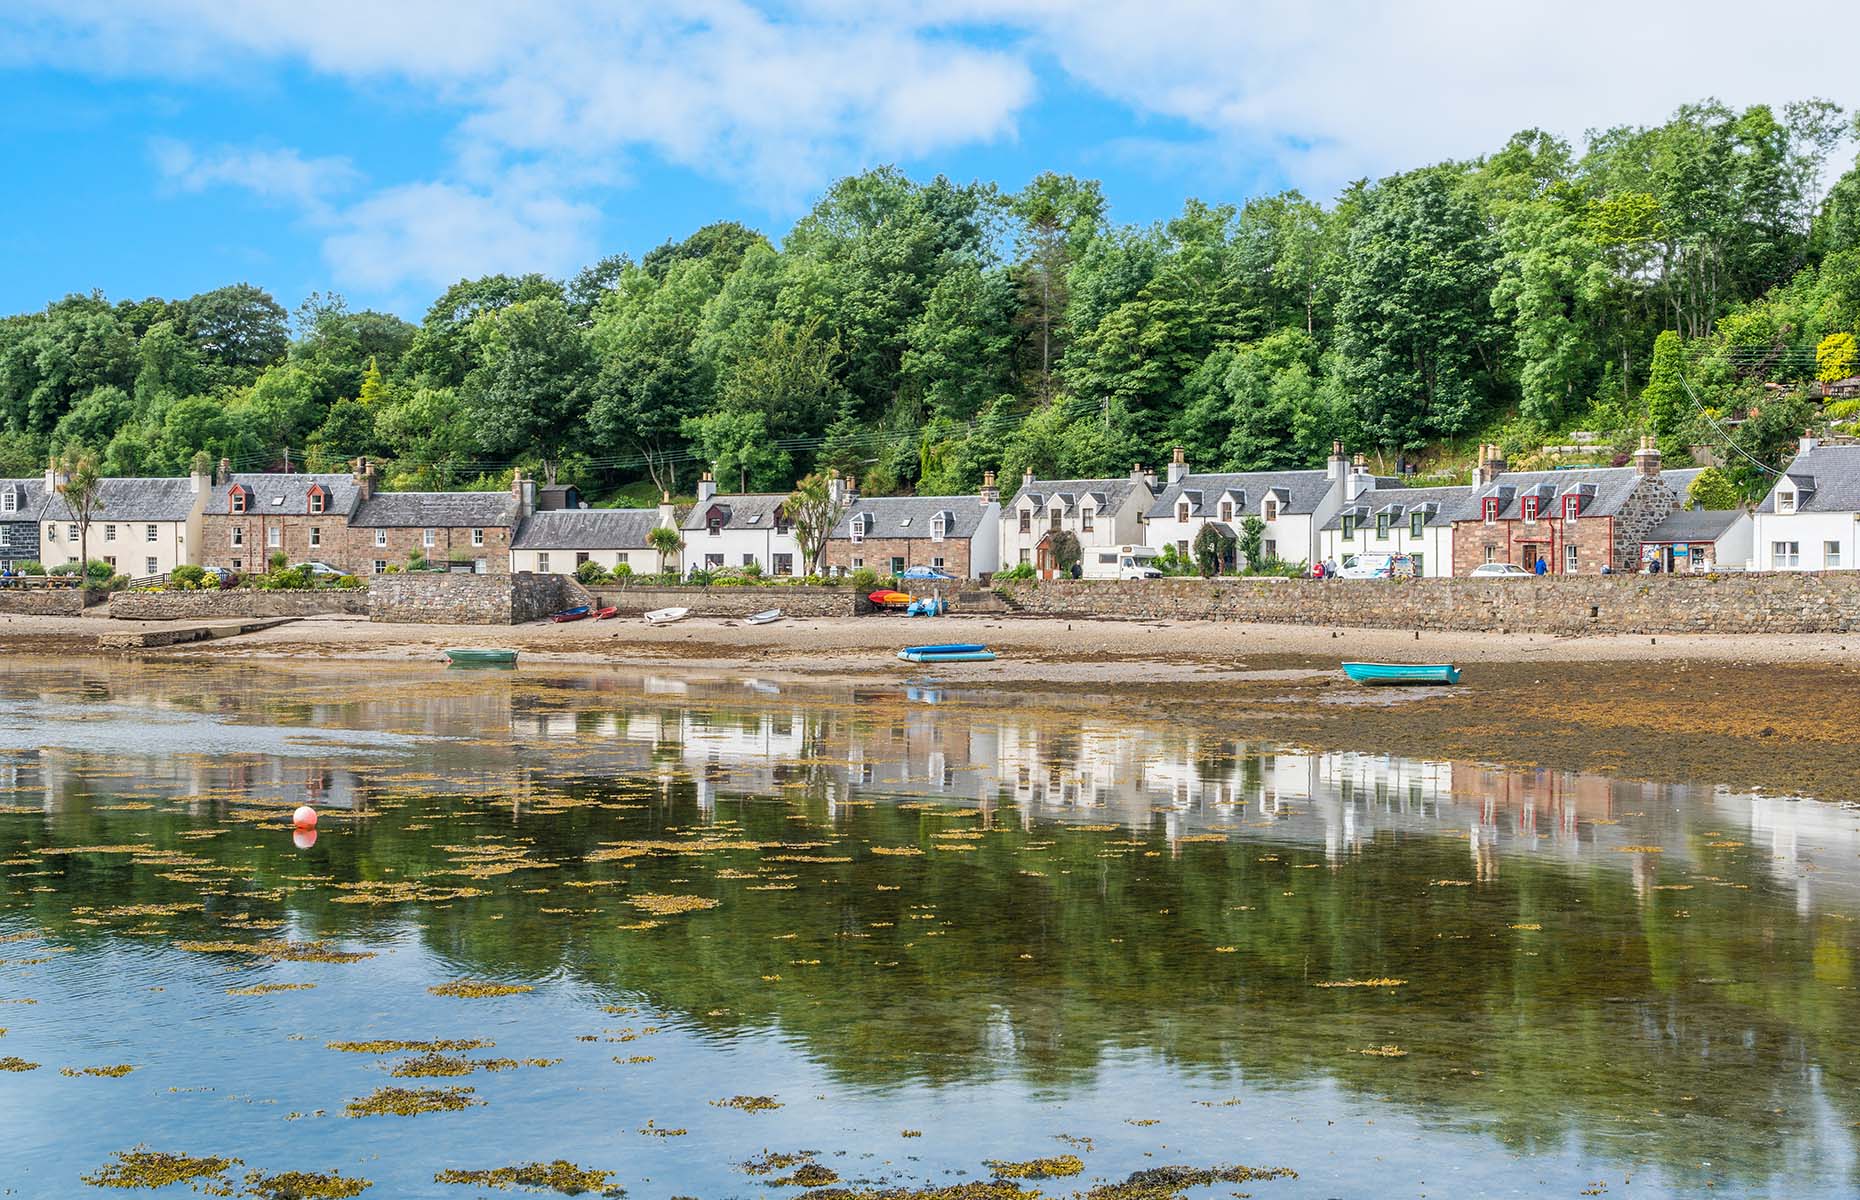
point(80, 483)
point(667, 541)
point(738, 448)
point(650, 376)
point(1252, 539)
point(530, 390)
point(1665, 394)
point(1713, 489)
point(1057, 216)
point(1836, 357)
point(1213, 549)
point(814, 508)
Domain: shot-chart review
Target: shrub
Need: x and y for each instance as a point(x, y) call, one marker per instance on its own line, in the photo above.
point(591, 572)
point(189, 577)
point(279, 560)
point(752, 570)
point(349, 582)
point(1018, 571)
point(63, 569)
point(1840, 410)
point(623, 571)
point(31, 567)
point(700, 577)
point(863, 577)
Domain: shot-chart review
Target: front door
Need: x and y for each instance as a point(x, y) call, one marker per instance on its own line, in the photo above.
point(1532, 551)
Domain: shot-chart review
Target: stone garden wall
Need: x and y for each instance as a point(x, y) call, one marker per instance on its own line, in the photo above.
point(46, 601)
point(457, 599)
point(238, 603)
point(1775, 602)
point(798, 601)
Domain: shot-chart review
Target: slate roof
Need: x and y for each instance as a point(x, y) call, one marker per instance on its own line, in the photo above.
point(1695, 525)
point(1604, 490)
point(912, 516)
point(435, 510)
point(286, 494)
point(147, 499)
point(1400, 502)
point(1297, 492)
point(1835, 473)
point(29, 498)
point(748, 510)
point(1108, 495)
point(587, 529)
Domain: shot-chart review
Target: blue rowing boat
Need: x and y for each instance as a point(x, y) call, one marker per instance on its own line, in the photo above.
point(1402, 672)
point(945, 648)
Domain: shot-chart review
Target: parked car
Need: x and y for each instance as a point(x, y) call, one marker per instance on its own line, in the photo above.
point(1378, 566)
point(1499, 571)
point(320, 569)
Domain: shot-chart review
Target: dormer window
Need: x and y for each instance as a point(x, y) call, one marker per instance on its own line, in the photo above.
point(1085, 523)
point(1416, 522)
point(1785, 501)
point(319, 499)
point(9, 501)
point(1349, 528)
point(1572, 507)
point(1181, 511)
point(238, 499)
point(1056, 515)
point(1382, 527)
point(1270, 510)
point(1489, 507)
point(938, 527)
point(1530, 508)
point(859, 524)
point(1227, 510)
point(1026, 520)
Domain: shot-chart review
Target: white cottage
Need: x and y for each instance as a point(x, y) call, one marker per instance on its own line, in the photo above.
point(141, 527)
point(1809, 520)
point(1417, 522)
point(1294, 505)
point(1104, 514)
point(740, 529)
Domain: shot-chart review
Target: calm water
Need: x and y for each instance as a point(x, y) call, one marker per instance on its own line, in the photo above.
point(1017, 926)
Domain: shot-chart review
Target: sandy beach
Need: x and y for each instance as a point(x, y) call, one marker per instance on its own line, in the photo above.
point(1764, 711)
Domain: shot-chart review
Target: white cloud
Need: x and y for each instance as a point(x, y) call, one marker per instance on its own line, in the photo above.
point(282, 175)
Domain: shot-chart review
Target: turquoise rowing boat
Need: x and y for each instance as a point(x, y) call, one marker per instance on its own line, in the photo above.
point(1402, 672)
point(936, 654)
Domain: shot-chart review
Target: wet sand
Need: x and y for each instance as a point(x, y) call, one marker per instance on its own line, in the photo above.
point(1762, 712)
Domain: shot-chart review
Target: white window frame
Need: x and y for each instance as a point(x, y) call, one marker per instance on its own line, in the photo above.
point(542, 561)
point(380, 566)
point(319, 503)
point(477, 537)
point(238, 535)
point(151, 533)
point(109, 533)
point(316, 536)
point(429, 538)
point(1831, 555)
point(6, 536)
point(380, 538)
point(274, 537)
point(1571, 558)
point(1785, 501)
point(154, 567)
point(1269, 511)
point(9, 501)
point(939, 527)
point(73, 531)
point(1785, 555)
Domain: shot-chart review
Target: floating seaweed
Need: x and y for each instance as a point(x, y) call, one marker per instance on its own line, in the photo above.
point(113, 1072)
point(143, 1168)
point(399, 1047)
point(266, 989)
point(13, 1062)
point(1037, 1168)
point(558, 1176)
point(475, 989)
point(1164, 1183)
point(668, 905)
point(281, 951)
point(411, 1102)
point(304, 1185)
point(1362, 983)
point(748, 1103)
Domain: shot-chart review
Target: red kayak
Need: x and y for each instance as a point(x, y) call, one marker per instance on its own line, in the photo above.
point(889, 599)
point(606, 614)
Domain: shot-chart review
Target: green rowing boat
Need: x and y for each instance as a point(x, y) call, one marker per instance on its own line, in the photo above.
point(482, 658)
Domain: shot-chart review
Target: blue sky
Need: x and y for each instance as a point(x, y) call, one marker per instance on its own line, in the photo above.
point(163, 147)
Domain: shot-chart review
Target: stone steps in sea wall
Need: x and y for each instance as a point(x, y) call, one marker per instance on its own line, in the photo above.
point(1770, 602)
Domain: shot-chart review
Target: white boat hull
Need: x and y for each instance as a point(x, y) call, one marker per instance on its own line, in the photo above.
point(665, 616)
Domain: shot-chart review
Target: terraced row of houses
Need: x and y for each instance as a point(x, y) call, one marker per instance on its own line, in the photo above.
point(1573, 521)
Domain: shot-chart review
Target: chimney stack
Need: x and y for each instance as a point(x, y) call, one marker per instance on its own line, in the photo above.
point(1647, 458)
point(707, 487)
point(1807, 444)
point(668, 515)
point(990, 493)
point(225, 472)
point(1338, 467)
point(364, 477)
point(1491, 463)
point(1178, 466)
point(1026, 478)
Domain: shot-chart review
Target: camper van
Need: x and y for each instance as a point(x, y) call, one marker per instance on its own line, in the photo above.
point(1120, 562)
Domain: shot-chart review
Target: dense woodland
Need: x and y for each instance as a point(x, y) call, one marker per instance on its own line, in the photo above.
point(917, 334)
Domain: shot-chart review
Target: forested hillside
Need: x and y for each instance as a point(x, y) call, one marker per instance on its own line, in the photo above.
point(919, 333)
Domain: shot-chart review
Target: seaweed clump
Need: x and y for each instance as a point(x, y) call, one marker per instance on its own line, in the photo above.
point(113, 1072)
point(304, 1185)
point(143, 1168)
point(411, 1102)
point(748, 1103)
point(389, 1046)
point(807, 1175)
point(14, 1062)
point(1167, 1183)
point(477, 989)
point(558, 1176)
point(1038, 1168)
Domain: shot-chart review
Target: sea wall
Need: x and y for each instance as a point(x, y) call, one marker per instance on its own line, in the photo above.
point(1775, 602)
point(240, 603)
point(796, 601)
point(432, 598)
point(46, 601)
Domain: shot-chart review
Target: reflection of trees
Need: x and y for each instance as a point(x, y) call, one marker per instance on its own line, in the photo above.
point(1650, 1023)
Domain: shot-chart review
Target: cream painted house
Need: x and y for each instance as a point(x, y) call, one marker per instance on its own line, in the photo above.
point(740, 529)
point(141, 527)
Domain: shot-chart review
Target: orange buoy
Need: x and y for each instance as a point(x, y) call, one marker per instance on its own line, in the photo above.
point(304, 817)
